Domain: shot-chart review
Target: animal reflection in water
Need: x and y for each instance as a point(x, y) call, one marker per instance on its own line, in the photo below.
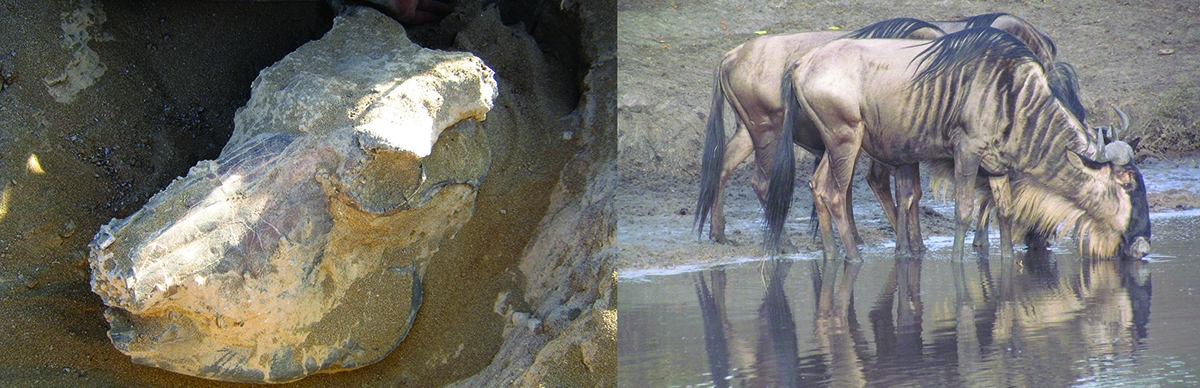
point(1020, 315)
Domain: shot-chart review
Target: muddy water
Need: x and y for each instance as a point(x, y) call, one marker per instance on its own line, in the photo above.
point(1040, 319)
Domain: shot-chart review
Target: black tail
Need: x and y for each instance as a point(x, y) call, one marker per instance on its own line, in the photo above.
point(714, 155)
point(783, 168)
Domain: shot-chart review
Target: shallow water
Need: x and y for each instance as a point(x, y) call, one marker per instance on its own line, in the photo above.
point(1040, 319)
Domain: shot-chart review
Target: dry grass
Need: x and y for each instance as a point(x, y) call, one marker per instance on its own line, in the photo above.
point(1173, 127)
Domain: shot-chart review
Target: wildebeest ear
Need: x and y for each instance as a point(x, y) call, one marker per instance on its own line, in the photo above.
point(1134, 143)
point(1088, 162)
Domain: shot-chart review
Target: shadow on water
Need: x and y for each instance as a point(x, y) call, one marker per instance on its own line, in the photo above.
point(1039, 319)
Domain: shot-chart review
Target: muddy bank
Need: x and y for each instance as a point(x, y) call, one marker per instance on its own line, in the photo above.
point(165, 79)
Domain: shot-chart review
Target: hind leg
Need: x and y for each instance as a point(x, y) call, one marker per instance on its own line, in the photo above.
point(831, 189)
point(831, 185)
point(764, 160)
point(850, 213)
point(817, 184)
point(738, 149)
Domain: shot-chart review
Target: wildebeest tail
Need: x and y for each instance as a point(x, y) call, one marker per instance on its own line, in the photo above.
point(714, 155)
point(783, 170)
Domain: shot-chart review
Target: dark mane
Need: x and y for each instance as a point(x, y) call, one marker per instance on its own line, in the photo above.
point(984, 20)
point(1061, 76)
point(897, 28)
point(1016, 26)
point(1065, 87)
point(952, 52)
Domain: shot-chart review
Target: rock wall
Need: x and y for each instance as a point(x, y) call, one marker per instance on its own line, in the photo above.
point(569, 338)
point(302, 248)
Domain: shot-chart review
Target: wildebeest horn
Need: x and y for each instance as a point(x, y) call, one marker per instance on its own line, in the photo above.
point(1108, 148)
point(1118, 151)
point(1124, 119)
point(1109, 133)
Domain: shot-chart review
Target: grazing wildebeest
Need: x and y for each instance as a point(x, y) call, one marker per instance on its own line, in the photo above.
point(978, 99)
point(748, 78)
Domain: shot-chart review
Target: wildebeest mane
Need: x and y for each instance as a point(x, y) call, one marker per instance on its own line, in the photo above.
point(897, 28)
point(952, 52)
point(1065, 87)
point(988, 19)
point(983, 20)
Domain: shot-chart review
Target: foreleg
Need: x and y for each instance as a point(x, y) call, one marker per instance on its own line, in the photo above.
point(981, 226)
point(879, 177)
point(1002, 194)
point(914, 209)
point(904, 205)
point(967, 157)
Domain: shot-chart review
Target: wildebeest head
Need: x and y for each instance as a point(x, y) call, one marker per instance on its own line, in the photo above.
point(1115, 158)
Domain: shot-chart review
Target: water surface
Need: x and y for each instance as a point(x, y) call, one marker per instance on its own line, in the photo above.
point(1039, 319)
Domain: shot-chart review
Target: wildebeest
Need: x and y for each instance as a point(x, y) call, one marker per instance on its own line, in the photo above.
point(748, 78)
point(978, 99)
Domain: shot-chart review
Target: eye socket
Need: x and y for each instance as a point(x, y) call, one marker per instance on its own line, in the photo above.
point(1127, 186)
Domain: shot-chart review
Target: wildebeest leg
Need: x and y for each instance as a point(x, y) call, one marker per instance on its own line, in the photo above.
point(966, 167)
point(879, 178)
point(904, 204)
point(832, 187)
point(981, 227)
point(764, 160)
point(914, 209)
point(817, 185)
point(737, 150)
point(850, 214)
point(1004, 222)
point(1002, 197)
point(842, 130)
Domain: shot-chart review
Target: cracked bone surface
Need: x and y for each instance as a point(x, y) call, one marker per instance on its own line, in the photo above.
point(302, 247)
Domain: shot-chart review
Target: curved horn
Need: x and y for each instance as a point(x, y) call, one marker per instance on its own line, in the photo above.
point(1124, 118)
point(1115, 151)
point(1108, 148)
